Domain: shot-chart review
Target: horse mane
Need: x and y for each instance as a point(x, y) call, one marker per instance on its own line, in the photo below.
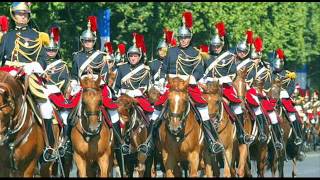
point(11, 84)
point(89, 82)
point(127, 99)
point(178, 84)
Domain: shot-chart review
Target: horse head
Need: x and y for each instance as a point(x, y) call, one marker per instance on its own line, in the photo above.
point(10, 93)
point(91, 102)
point(212, 93)
point(126, 106)
point(153, 94)
point(178, 104)
point(240, 83)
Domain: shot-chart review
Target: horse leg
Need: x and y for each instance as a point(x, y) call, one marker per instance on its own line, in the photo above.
point(294, 167)
point(261, 163)
point(227, 162)
point(194, 160)
point(29, 171)
point(169, 164)
point(81, 164)
point(242, 159)
point(103, 163)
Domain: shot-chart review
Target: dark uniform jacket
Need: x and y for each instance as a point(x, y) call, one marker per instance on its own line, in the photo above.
point(58, 73)
point(140, 79)
point(183, 61)
point(264, 73)
point(155, 69)
point(98, 65)
point(25, 37)
point(287, 83)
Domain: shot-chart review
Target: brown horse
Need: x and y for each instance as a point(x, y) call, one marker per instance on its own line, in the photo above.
point(243, 149)
point(181, 137)
point(21, 136)
point(259, 150)
point(135, 135)
point(91, 137)
point(290, 151)
point(212, 94)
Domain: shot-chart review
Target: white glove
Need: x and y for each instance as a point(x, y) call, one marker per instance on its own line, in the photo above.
point(162, 84)
point(75, 87)
point(33, 67)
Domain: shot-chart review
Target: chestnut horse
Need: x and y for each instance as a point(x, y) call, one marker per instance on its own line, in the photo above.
point(180, 135)
point(213, 95)
point(290, 150)
point(91, 137)
point(21, 136)
point(135, 134)
point(243, 149)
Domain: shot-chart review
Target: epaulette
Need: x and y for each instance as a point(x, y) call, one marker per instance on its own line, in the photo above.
point(122, 63)
point(74, 53)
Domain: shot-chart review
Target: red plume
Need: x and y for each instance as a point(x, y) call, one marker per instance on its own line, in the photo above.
point(169, 36)
point(122, 48)
point(280, 53)
point(258, 44)
point(204, 48)
point(4, 23)
point(140, 42)
point(174, 42)
point(188, 19)
point(221, 29)
point(56, 34)
point(249, 36)
point(93, 22)
point(108, 46)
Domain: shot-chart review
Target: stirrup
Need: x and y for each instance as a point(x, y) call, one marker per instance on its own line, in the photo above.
point(278, 145)
point(61, 150)
point(145, 149)
point(262, 138)
point(125, 149)
point(297, 141)
point(248, 139)
point(47, 156)
point(216, 147)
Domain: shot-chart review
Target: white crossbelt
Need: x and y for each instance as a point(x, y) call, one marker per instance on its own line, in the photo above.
point(243, 63)
point(88, 61)
point(128, 76)
point(53, 64)
point(216, 61)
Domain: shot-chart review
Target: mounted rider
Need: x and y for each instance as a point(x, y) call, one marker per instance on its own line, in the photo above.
point(287, 80)
point(90, 62)
point(221, 67)
point(58, 79)
point(134, 77)
point(257, 95)
point(22, 47)
point(186, 62)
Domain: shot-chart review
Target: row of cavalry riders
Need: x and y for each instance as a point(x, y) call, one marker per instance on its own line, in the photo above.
point(189, 109)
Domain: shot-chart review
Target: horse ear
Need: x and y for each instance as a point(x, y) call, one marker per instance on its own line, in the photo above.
point(170, 80)
point(98, 81)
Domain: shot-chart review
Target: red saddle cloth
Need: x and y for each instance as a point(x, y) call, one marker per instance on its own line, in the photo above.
point(230, 93)
point(59, 100)
point(310, 116)
point(193, 91)
point(288, 105)
point(144, 104)
point(10, 68)
point(250, 97)
point(107, 101)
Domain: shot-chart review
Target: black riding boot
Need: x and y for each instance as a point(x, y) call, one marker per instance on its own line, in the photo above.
point(261, 124)
point(242, 138)
point(298, 134)
point(278, 136)
point(48, 154)
point(149, 144)
point(212, 137)
point(117, 144)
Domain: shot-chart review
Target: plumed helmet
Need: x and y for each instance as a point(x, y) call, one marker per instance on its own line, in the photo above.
point(257, 48)
point(162, 43)
point(54, 43)
point(278, 60)
point(185, 29)
point(134, 49)
point(20, 7)
point(121, 51)
point(244, 45)
point(218, 38)
point(109, 51)
point(91, 32)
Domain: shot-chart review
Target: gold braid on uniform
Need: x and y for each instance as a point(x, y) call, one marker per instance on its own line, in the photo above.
point(189, 61)
point(139, 78)
point(96, 65)
point(42, 39)
point(265, 76)
point(219, 66)
point(57, 70)
point(251, 67)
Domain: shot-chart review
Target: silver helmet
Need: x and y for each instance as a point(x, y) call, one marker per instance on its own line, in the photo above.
point(54, 43)
point(19, 7)
point(89, 34)
point(185, 29)
point(244, 45)
point(278, 61)
point(109, 52)
point(134, 49)
point(162, 43)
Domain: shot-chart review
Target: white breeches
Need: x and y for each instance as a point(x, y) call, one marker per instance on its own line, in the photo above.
point(114, 115)
point(46, 109)
point(204, 112)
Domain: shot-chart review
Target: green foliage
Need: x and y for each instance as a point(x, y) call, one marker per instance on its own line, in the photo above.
point(293, 26)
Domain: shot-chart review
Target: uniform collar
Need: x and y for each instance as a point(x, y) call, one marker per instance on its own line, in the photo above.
point(89, 51)
point(136, 65)
point(18, 28)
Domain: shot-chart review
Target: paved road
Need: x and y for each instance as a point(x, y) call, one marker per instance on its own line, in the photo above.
point(310, 167)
